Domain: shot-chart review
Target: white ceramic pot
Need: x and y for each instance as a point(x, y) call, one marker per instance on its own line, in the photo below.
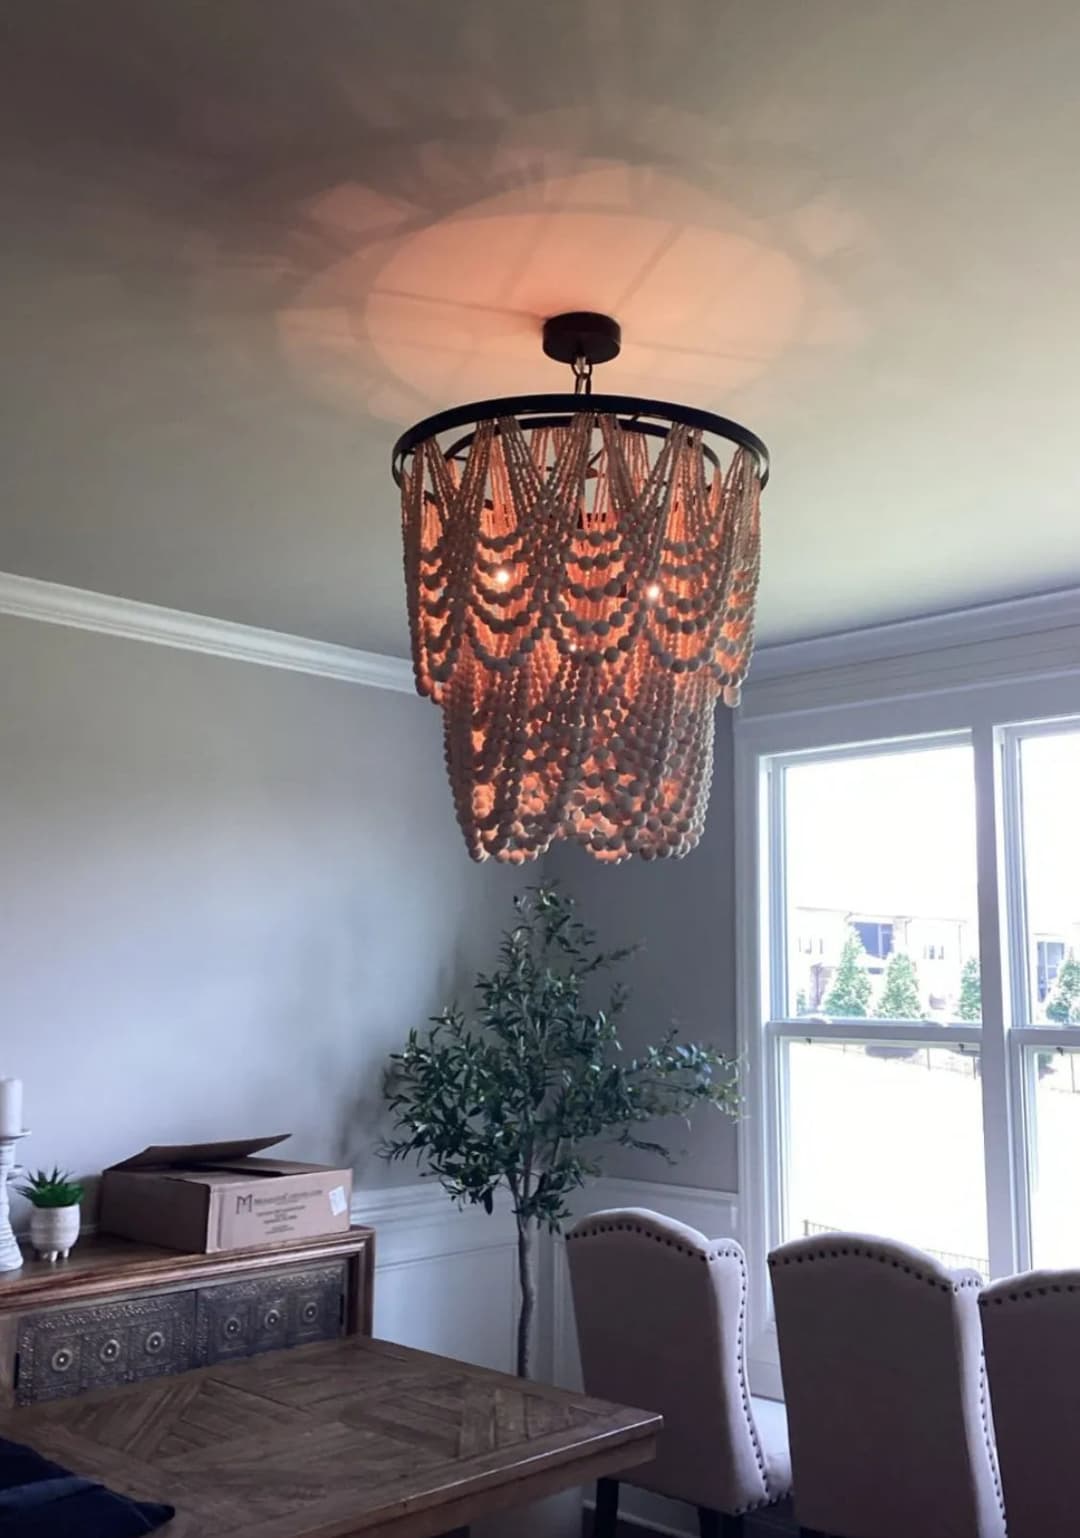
point(53, 1231)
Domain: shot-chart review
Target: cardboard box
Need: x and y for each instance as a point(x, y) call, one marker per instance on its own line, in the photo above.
point(206, 1197)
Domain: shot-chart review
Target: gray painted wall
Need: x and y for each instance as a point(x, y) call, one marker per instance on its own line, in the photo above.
point(684, 912)
point(226, 893)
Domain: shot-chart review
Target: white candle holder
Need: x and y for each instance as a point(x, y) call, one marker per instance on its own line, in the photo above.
point(11, 1257)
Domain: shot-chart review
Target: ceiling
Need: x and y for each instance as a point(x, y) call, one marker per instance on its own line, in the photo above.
point(245, 243)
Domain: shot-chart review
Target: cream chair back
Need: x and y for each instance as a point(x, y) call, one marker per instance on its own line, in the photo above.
point(1031, 1333)
point(888, 1415)
point(661, 1319)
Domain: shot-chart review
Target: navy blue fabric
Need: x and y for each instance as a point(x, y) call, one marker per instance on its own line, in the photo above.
point(39, 1499)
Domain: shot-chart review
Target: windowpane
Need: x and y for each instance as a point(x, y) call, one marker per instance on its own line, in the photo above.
point(1054, 1098)
point(1050, 777)
point(881, 886)
point(887, 1140)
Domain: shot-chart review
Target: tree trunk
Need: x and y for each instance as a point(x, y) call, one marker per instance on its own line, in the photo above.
point(527, 1282)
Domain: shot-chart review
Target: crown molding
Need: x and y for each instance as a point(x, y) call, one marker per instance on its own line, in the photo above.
point(56, 604)
point(1039, 613)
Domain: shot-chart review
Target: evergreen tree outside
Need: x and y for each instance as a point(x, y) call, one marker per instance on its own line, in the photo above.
point(1064, 1004)
point(849, 992)
point(970, 1004)
point(802, 1003)
point(900, 998)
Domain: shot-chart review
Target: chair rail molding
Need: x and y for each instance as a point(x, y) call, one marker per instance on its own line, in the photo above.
point(54, 603)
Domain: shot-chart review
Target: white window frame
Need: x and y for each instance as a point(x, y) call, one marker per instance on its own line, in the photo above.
point(994, 719)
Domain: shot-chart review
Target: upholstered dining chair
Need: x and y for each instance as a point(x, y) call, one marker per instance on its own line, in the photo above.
point(1031, 1335)
point(881, 1357)
point(661, 1314)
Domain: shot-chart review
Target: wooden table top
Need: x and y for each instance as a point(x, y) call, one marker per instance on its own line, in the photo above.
point(351, 1436)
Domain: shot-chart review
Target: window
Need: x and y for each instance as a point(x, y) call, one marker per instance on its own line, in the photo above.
point(921, 1077)
point(1049, 956)
point(878, 832)
point(877, 939)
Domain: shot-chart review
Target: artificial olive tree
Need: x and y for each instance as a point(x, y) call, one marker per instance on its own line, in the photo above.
point(525, 1092)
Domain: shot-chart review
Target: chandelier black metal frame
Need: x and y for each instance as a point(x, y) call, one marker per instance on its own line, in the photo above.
point(582, 339)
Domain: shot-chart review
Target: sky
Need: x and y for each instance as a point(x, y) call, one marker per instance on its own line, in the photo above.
point(889, 833)
point(894, 833)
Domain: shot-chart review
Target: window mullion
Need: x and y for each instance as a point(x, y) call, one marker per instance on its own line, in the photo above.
point(1013, 904)
point(777, 1002)
point(993, 860)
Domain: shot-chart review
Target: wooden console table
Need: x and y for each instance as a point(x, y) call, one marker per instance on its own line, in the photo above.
point(348, 1438)
point(118, 1312)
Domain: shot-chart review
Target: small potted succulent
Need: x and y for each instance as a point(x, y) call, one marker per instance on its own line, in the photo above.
point(54, 1220)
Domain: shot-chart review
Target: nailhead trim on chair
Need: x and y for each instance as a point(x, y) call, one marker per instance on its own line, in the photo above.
point(859, 1252)
point(751, 1425)
point(714, 1252)
point(991, 1447)
point(1027, 1294)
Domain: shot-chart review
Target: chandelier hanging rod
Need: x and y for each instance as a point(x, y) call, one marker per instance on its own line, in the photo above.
point(558, 410)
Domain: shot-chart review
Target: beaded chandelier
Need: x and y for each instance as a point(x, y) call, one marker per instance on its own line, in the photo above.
point(581, 574)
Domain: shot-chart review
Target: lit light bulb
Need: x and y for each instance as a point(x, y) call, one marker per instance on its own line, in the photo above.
point(652, 592)
point(502, 577)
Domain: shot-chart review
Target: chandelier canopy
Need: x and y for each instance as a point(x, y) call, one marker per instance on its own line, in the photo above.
point(581, 573)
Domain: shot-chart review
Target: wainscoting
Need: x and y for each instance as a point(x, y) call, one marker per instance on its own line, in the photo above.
point(446, 1281)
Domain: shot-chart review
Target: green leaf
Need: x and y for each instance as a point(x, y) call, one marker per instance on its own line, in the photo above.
point(59, 1189)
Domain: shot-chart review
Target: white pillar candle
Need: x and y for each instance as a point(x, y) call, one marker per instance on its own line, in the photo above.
point(11, 1123)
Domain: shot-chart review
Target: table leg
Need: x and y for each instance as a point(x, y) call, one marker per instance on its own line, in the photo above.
point(607, 1508)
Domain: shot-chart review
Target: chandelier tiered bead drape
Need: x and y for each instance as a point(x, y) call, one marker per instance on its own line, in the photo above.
point(580, 595)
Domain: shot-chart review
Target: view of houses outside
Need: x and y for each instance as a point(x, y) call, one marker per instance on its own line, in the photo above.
point(943, 950)
point(881, 923)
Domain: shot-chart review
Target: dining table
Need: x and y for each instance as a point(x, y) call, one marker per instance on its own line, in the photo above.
point(346, 1437)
